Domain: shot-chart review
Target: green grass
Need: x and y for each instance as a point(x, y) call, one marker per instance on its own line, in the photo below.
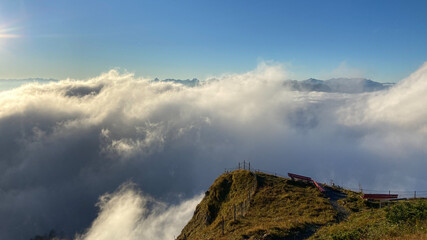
point(401, 220)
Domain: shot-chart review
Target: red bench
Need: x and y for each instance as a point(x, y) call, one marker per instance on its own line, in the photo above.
point(308, 179)
point(379, 196)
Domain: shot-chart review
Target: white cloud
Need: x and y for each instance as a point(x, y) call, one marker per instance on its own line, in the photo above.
point(63, 144)
point(126, 214)
point(397, 116)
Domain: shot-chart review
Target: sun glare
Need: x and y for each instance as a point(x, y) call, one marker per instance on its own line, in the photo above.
point(8, 32)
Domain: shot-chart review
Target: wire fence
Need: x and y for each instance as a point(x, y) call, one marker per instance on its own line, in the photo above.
point(245, 165)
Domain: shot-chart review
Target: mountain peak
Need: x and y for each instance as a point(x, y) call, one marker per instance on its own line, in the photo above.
point(255, 205)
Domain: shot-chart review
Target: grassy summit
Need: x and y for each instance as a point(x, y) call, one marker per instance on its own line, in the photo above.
point(247, 205)
point(278, 208)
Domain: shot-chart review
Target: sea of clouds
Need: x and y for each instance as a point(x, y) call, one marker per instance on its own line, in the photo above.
point(121, 157)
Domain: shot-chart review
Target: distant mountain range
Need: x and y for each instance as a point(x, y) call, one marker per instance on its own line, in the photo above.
point(190, 83)
point(342, 85)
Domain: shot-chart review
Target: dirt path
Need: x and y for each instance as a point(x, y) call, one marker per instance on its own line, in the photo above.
point(334, 196)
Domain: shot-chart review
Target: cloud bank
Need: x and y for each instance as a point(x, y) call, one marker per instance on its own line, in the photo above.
point(127, 214)
point(64, 144)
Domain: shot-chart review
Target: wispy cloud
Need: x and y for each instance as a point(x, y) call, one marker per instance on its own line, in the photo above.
point(345, 70)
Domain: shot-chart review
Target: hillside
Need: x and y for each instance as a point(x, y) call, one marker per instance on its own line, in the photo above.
point(255, 205)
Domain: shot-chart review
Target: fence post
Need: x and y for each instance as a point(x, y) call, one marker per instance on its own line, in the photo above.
point(207, 218)
point(239, 165)
point(222, 225)
point(415, 194)
point(244, 164)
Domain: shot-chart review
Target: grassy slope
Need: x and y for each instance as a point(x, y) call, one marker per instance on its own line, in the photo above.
point(278, 208)
point(282, 209)
point(369, 222)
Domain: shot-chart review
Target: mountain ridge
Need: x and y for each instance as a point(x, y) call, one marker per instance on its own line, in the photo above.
point(340, 85)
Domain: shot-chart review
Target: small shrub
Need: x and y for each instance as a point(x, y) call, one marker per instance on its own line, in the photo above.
point(407, 212)
point(351, 235)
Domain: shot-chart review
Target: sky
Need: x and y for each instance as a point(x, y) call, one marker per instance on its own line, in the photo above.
point(380, 40)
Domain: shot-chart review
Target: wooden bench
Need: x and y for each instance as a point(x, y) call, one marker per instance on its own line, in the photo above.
point(299, 177)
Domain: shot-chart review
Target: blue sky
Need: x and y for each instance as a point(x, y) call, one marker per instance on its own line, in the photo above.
point(381, 40)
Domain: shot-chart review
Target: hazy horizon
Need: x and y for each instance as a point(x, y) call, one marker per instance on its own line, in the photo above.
point(8, 84)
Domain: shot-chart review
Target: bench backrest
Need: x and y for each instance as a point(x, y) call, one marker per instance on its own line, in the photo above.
point(291, 175)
